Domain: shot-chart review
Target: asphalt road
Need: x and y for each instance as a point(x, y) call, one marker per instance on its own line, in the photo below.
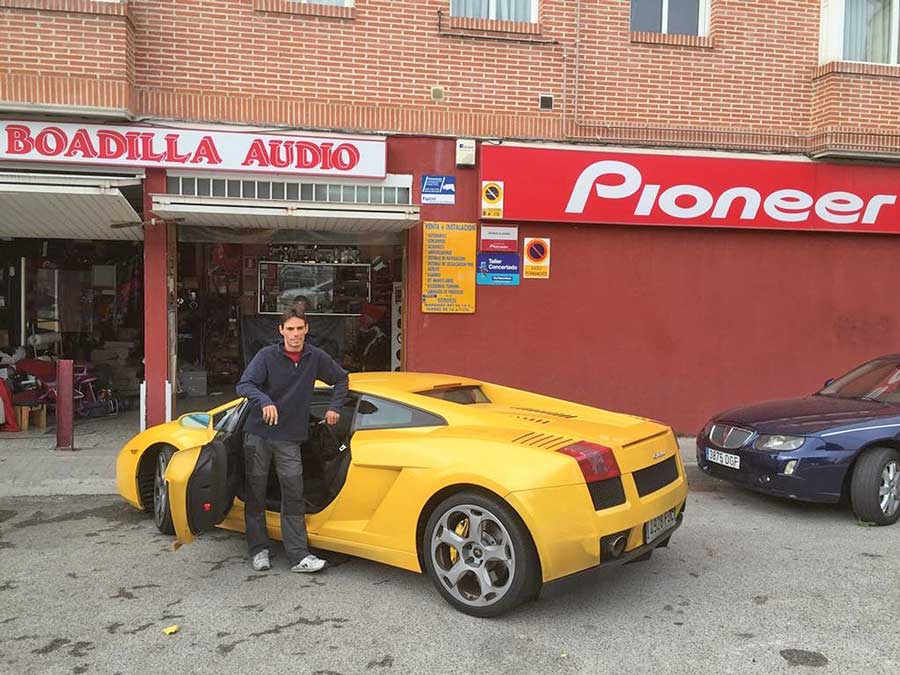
point(749, 585)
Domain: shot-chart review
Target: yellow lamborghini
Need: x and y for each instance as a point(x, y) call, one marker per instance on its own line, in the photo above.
point(493, 492)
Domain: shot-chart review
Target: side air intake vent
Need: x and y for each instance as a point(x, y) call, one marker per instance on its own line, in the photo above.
point(546, 441)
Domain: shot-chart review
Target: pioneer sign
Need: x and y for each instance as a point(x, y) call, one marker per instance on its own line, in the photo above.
point(563, 185)
point(201, 149)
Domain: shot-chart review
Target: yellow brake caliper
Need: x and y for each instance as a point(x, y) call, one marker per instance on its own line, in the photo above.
point(462, 529)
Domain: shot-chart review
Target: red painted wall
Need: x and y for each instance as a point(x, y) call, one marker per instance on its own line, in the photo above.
point(668, 323)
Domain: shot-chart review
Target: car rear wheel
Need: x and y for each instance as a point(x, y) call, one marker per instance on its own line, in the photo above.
point(875, 486)
point(479, 554)
point(162, 514)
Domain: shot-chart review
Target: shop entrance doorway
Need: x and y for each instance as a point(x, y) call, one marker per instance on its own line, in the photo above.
point(231, 295)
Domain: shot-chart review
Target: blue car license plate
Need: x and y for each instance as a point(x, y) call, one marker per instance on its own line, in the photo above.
point(723, 458)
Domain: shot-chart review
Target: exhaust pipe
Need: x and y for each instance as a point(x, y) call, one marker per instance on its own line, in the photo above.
point(613, 545)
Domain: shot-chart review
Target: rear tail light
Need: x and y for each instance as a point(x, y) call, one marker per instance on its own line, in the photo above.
point(597, 462)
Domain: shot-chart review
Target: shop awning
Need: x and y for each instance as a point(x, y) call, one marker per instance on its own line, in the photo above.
point(66, 206)
point(278, 214)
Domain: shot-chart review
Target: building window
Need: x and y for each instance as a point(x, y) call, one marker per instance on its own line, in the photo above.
point(860, 30)
point(670, 17)
point(501, 10)
point(335, 3)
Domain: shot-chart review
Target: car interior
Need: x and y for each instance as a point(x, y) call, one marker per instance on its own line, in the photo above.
point(326, 457)
point(326, 454)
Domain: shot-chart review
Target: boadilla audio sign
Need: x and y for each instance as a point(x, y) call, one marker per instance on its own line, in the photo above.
point(202, 149)
point(585, 186)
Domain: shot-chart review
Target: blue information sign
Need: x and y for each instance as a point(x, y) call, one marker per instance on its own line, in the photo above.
point(438, 189)
point(497, 269)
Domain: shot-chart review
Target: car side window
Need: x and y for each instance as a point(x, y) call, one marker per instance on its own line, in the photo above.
point(220, 417)
point(379, 413)
point(320, 403)
point(227, 420)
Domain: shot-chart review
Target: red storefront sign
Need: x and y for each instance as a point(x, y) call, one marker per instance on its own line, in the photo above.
point(587, 186)
point(201, 149)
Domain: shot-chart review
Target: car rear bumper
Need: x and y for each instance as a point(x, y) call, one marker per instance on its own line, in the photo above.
point(567, 530)
point(818, 475)
point(639, 554)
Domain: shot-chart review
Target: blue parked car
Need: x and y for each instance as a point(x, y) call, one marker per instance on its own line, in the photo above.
point(843, 441)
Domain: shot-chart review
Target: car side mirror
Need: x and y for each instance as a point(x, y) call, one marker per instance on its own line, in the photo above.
point(366, 408)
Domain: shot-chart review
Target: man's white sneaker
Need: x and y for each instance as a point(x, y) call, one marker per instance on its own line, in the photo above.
point(309, 564)
point(261, 561)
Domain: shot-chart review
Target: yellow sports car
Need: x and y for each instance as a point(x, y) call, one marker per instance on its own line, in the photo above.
point(493, 491)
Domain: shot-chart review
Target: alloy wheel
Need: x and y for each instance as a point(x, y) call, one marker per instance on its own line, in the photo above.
point(889, 492)
point(160, 487)
point(473, 555)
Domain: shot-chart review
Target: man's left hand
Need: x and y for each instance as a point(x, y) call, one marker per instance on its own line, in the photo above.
point(331, 418)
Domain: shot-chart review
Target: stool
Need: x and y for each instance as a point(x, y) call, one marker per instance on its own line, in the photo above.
point(25, 412)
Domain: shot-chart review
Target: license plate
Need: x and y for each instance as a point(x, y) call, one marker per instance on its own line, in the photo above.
point(723, 458)
point(657, 526)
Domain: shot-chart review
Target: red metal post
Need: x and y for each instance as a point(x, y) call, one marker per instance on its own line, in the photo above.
point(65, 422)
point(156, 345)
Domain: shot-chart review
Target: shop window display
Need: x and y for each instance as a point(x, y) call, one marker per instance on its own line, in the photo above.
point(81, 300)
point(231, 296)
point(319, 288)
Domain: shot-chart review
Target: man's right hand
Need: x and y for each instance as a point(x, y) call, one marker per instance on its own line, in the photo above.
point(270, 414)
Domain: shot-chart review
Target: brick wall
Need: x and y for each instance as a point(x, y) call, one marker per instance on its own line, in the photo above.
point(66, 52)
point(754, 83)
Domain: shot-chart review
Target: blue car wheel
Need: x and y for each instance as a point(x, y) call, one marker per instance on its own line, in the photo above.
point(875, 486)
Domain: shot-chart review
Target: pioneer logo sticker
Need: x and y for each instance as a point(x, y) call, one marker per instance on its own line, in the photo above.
point(687, 201)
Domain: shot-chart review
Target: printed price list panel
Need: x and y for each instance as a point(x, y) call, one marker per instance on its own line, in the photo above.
point(448, 268)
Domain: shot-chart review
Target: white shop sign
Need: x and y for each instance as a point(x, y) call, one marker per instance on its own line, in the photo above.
point(206, 149)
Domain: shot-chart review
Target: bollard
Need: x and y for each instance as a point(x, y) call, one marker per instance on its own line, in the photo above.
point(65, 413)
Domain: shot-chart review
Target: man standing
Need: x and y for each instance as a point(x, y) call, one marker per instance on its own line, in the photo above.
point(280, 381)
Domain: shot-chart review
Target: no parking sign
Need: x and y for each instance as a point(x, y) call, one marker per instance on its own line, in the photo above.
point(536, 258)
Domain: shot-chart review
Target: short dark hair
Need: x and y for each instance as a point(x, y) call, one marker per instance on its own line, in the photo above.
point(292, 313)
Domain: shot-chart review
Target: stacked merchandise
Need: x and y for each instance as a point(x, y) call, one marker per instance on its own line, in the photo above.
point(113, 364)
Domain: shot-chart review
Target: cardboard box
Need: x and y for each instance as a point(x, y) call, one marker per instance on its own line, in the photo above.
point(193, 382)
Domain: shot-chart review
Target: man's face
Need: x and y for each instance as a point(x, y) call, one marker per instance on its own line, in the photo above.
point(294, 332)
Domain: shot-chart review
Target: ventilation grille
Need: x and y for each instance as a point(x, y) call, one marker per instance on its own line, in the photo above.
point(189, 186)
point(546, 441)
point(730, 437)
point(537, 420)
point(564, 416)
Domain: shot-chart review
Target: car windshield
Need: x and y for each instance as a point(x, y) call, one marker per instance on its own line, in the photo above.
point(877, 380)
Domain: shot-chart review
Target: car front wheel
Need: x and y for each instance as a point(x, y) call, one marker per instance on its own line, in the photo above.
point(162, 514)
point(479, 554)
point(875, 486)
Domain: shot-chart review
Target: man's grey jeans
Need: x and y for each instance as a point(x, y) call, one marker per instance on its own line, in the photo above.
point(258, 454)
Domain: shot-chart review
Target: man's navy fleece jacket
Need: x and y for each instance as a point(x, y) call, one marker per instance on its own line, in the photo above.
point(272, 378)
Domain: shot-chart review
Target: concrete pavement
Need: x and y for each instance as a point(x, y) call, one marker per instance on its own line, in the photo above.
point(31, 466)
point(750, 585)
